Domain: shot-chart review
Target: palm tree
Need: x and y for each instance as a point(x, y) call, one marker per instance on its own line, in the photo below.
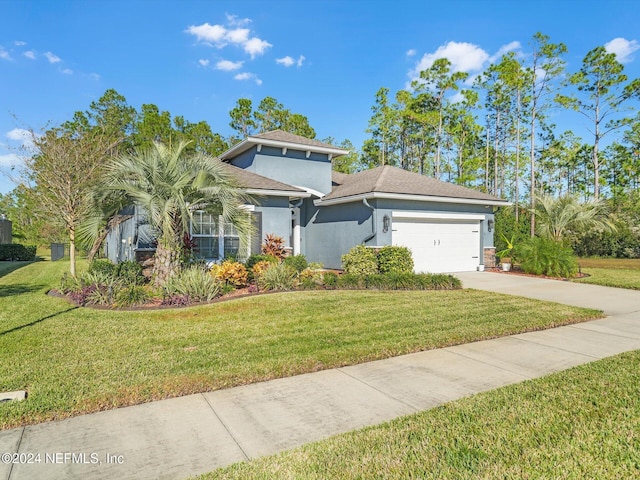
point(556, 217)
point(169, 184)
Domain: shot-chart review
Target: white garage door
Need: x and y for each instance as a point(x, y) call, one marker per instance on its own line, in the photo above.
point(439, 245)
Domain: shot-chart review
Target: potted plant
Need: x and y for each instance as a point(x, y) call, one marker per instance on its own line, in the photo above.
point(505, 255)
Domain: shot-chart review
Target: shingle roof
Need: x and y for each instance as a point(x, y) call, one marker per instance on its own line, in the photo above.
point(393, 180)
point(250, 180)
point(282, 136)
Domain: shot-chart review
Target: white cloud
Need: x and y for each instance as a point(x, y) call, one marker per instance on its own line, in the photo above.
point(30, 54)
point(208, 33)
point(52, 58)
point(19, 43)
point(623, 48)
point(256, 46)
point(19, 134)
point(504, 49)
point(411, 52)
point(286, 61)
point(220, 35)
point(238, 35)
point(301, 59)
point(228, 65)
point(67, 71)
point(234, 21)
point(4, 54)
point(203, 62)
point(95, 76)
point(464, 57)
point(10, 160)
point(248, 76)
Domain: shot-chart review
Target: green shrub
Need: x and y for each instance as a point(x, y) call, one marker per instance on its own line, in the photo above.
point(623, 243)
point(543, 256)
point(257, 258)
point(103, 267)
point(440, 281)
point(130, 273)
point(297, 262)
point(16, 252)
point(330, 279)
point(395, 259)
point(195, 283)
point(132, 295)
point(278, 277)
point(350, 281)
point(360, 260)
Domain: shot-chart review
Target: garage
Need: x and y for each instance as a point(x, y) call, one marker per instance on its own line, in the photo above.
point(439, 242)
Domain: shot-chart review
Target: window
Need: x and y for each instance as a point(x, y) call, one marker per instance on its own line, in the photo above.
point(204, 231)
point(231, 241)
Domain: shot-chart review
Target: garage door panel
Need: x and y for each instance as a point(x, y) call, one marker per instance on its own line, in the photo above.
point(439, 245)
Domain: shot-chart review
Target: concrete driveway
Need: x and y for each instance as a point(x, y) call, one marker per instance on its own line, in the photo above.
point(185, 436)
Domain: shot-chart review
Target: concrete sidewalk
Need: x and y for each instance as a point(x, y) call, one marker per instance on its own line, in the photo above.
point(198, 433)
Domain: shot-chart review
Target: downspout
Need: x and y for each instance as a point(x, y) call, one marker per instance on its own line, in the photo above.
point(373, 222)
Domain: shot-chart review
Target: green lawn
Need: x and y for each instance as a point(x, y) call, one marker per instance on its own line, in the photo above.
point(77, 360)
point(580, 423)
point(611, 272)
point(8, 267)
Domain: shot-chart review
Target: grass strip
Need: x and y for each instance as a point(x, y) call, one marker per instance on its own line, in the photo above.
point(612, 277)
point(580, 423)
point(77, 360)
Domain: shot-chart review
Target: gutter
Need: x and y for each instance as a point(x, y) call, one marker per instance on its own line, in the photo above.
point(373, 222)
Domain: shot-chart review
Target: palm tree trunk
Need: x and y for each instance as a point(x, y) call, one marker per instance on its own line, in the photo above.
point(167, 262)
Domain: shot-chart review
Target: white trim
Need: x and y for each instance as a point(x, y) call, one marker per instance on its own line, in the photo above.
point(403, 196)
point(284, 150)
point(438, 215)
point(313, 192)
point(259, 147)
point(248, 142)
point(296, 230)
point(308, 154)
point(277, 193)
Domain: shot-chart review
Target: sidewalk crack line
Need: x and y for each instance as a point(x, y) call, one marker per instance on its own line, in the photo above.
point(244, 454)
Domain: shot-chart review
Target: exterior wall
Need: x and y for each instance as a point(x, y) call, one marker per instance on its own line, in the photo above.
point(119, 244)
point(332, 231)
point(387, 206)
point(293, 168)
point(5, 231)
point(276, 218)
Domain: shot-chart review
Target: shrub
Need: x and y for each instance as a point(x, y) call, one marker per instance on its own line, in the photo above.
point(193, 282)
point(260, 267)
point(349, 281)
point(103, 267)
point(543, 256)
point(311, 278)
point(360, 260)
point(623, 243)
point(278, 277)
point(274, 246)
point(330, 279)
point(297, 262)
point(231, 273)
point(16, 252)
point(395, 259)
point(255, 258)
point(130, 273)
point(132, 295)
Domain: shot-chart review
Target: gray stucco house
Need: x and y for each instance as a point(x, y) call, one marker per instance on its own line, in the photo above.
point(323, 214)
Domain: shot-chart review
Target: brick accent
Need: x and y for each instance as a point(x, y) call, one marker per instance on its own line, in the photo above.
point(489, 257)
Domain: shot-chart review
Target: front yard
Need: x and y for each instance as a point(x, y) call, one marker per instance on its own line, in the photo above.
point(611, 272)
point(75, 360)
point(580, 423)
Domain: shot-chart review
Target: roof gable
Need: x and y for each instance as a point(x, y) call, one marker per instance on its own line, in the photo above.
point(284, 140)
point(258, 183)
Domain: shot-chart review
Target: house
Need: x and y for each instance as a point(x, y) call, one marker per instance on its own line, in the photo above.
point(323, 214)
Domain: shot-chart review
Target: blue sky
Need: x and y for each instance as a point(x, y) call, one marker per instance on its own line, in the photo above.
point(324, 59)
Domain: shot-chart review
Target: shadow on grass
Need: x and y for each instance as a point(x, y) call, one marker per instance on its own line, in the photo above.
point(35, 322)
point(8, 267)
point(19, 288)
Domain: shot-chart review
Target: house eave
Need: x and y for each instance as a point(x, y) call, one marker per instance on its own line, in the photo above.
point(403, 196)
point(277, 193)
point(250, 142)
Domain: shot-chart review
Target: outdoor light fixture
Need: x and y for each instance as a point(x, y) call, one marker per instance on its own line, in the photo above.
point(490, 225)
point(385, 223)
